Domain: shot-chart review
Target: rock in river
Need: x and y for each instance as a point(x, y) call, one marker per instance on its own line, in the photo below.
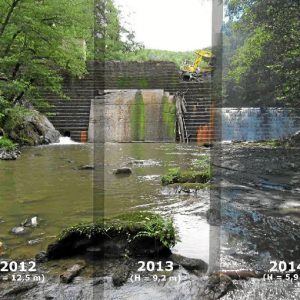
point(86, 167)
point(33, 129)
point(216, 287)
point(190, 263)
point(18, 230)
point(121, 274)
point(9, 155)
point(130, 234)
point(122, 171)
point(71, 273)
point(31, 222)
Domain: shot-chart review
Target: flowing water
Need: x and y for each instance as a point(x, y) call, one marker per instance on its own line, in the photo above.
point(47, 182)
point(254, 123)
point(260, 215)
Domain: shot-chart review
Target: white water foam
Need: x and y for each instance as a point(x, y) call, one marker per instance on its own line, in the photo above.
point(65, 140)
point(253, 123)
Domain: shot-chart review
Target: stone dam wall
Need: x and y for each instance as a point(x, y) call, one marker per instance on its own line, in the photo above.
point(72, 117)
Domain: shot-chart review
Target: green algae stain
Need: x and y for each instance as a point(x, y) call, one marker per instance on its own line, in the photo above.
point(169, 117)
point(137, 120)
point(143, 83)
point(125, 82)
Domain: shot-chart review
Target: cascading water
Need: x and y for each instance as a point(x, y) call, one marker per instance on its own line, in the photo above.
point(65, 140)
point(254, 124)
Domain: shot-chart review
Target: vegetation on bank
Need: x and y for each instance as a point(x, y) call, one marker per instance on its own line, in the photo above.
point(134, 225)
point(7, 144)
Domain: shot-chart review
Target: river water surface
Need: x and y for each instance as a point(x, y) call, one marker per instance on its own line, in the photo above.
point(47, 182)
point(260, 210)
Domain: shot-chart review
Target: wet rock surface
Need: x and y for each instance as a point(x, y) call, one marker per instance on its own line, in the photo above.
point(216, 287)
point(259, 222)
point(34, 129)
point(122, 171)
point(86, 167)
point(190, 263)
point(71, 273)
point(18, 230)
point(260, 215)
point(9, 155)
point(112, 277)
point(121, 274)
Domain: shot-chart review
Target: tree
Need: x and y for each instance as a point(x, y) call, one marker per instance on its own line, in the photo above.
point(38, 41)
point(112, 39)
point(264, 69)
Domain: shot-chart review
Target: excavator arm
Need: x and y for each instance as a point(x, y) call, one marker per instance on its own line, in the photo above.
point(189, 72)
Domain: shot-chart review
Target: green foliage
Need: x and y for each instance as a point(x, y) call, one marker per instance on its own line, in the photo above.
point(159, 228)
point(15, 116)
point(134, 224)
point(172, 176)
point(262, 48)
point(7, 144)
point(38, 40)
point(201, 173)
point(177, 175)
point(112, 40)
point(160, 55)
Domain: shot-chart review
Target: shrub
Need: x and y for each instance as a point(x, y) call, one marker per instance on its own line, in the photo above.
point(7, 144)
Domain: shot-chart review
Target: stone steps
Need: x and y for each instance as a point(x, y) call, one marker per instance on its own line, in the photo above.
point(73, 115)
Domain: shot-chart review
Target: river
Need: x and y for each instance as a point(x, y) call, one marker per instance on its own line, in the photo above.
point(47, 182)
point(259, 205)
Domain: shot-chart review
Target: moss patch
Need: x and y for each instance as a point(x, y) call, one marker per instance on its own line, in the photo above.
point(142, 233)
point(137, 120)
point(200, 174)
point(169, 116)
point(176, 175)
point(126, 82)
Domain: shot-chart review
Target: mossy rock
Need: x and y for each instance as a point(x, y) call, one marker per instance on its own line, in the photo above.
point(30, 128)
point(134, 234)
point(186, 176)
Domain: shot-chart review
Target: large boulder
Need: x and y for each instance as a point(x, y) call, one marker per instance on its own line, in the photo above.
point(33, 129)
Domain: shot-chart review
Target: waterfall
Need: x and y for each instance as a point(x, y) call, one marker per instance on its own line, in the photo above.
point(254, 124)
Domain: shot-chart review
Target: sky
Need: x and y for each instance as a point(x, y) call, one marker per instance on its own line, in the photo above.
point(176, 25)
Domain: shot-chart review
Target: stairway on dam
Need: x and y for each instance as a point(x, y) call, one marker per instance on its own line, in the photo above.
point(71, 116)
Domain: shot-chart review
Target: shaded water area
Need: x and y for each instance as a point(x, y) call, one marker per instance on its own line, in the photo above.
point(260, 216)
point(47, 182)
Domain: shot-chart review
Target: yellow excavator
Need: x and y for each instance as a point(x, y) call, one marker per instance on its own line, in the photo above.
point(198, 71)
